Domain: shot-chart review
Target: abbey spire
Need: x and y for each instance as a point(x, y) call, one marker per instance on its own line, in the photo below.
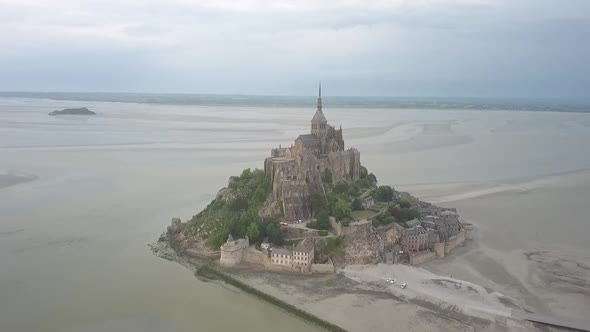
point(319, 108)
point(319, 122)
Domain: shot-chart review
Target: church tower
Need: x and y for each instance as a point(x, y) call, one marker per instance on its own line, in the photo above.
point(319, 124)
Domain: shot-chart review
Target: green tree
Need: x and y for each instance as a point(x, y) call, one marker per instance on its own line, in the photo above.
point(322, 221)
point(382, 219)
point(357, 205)
point(405, 203)
point(253, 231)
point(327, 177)
point(372, 180)
point(383, 194)
point(341, 187)
point(274, 233)
point(333, 244)
point(318, 202)
point(364, 172)
point(341, 209)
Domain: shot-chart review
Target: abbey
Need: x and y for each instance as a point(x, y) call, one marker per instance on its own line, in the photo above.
point(296, 172)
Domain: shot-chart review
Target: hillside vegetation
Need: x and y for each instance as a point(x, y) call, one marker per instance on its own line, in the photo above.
point(235, 211)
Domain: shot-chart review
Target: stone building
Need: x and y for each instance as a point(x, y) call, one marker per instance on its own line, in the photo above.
point(296, 172)
point(416, 239)
point(303, 254)
point(281, 256)
point(232, 251)
point(368, 202)
point(299, 257)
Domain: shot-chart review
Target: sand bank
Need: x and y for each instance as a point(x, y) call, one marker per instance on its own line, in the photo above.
point(8, 179)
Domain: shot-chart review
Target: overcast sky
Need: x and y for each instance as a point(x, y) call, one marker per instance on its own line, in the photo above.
point(511, 48)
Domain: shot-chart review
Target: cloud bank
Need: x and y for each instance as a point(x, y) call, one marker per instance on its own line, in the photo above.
point(526, 48)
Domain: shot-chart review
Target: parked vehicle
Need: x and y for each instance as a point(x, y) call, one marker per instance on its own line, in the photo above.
point(404, 285)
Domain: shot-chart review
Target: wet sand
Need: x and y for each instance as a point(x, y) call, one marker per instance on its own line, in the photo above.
point(73, 242)
point(10, 179)
point(531, 241)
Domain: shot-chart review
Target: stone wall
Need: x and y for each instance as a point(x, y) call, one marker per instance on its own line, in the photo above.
point(422, 257)
point(256, 257)
point(454, 241)
point(208, 255)
point(439, 249)
point(322, 268)
point(232, 252)
point(468, 231)
point(391, 235)
point(336, 226)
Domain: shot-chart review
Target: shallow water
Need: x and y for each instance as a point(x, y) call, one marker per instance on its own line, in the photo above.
point(73, 242)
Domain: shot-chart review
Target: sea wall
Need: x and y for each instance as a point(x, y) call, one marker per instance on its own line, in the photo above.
point(468, 231)
point(208, 255)
point(256, 257)
point(423, 257)
point(454, 241)
point(323, 268)
point(211, 273)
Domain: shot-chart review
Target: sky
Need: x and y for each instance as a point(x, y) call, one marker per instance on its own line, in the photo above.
point(453, 48)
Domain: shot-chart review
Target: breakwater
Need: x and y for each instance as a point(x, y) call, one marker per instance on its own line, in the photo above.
point(206, 271)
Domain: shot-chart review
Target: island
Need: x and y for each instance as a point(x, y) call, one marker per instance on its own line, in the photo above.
point(73, 111)
point(315, 233)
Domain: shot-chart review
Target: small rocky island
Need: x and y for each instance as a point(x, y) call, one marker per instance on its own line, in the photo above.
point(73, 111)
point(312, 209)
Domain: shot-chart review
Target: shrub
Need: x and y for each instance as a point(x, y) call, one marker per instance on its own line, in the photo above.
point(364, 172)
point(383, 194)
point(327, 177)
point(383, 219)
point(405, 203)
point(357, 205)
point(333, 244)
point(323, 233)
point(372, 179)
point(341, 209)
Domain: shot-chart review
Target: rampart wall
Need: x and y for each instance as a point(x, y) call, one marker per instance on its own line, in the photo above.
point(454, 241)
point(423, 257)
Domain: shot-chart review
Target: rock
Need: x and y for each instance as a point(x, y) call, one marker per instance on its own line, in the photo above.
point(180, 237)
point(173, 229)
point(73, 111)
point(363, 246)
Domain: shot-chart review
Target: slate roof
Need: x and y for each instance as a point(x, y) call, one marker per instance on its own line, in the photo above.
point(319, 117)
point(309, 140)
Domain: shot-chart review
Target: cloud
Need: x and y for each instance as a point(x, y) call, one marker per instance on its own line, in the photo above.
point(266, 47)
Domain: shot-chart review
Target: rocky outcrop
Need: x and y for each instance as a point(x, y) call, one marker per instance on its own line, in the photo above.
point(73, 111)
point(363, 246)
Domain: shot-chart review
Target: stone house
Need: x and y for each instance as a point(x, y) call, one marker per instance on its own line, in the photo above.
point(303, 254)
point(416, 239)
point(281, 256)
point(368, 202)
point(299, 257)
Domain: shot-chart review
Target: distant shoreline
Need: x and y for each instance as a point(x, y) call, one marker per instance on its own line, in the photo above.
point(400, 102)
